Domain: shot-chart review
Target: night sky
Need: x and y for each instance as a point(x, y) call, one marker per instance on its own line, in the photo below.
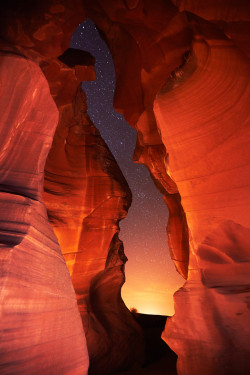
point(151, 278)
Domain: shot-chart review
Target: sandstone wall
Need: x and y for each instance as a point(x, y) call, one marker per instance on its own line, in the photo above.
point(40, 326)
point(155, 38)
point(183, 83)
point(86, 196)
point(185, 67)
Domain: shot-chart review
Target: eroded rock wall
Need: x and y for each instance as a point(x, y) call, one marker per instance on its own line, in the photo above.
point(85, 193)
point(40, 326)
point(183, 83)
point(155, 39)
point(204, 121)
point(86, 196)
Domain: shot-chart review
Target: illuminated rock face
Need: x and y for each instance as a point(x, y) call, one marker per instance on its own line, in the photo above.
point(86, 195)
point(40, 326)
point(157, 36)
point(203, 119)
point(186, 91)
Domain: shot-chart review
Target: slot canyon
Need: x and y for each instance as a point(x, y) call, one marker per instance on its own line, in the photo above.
point(182, 83)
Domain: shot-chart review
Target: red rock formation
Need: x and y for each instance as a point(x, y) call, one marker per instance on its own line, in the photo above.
point(207, 135)
point(85, 191)
point(41, 29)
point(86, 196)
point(40, 326)
point(185, 89)
point(202, 120)
point(156, 36)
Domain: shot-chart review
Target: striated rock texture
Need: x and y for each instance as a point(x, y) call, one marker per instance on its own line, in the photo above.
point(40, 326)
point(86, 196)
point(203, 117)
point(155, 38)
point(183, 83)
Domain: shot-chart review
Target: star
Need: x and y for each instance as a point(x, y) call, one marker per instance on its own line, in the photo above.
point(144, 230)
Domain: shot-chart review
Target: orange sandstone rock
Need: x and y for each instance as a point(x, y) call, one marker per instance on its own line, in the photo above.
point(195, 144)
point(40, 326)
point(85, 192)
point(155, 38)
point(204, 122)
point(183, 83)
point(86, 196)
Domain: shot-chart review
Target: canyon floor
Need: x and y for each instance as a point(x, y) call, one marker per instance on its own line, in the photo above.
point(159, 358)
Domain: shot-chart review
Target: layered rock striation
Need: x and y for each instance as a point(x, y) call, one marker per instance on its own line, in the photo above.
point(40, 326)
point(186, 91)
point(86, 196)
point(183, 83)
point(204, 121)
point(155, 39)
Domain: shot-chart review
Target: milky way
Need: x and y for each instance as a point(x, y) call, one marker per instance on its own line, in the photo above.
point(151, 277)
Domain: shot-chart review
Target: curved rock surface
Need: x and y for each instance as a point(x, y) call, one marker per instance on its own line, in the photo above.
point(86, 196)
point(204, 122)
point(85, 192)
point(183, 83)
point(157, 37)
point(193, 134)
point(40, 326)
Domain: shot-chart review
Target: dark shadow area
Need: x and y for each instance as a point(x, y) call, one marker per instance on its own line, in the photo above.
point(159, 358)
point(72, 57)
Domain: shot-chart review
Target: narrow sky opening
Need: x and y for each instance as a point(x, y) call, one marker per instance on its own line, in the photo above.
point(151, 278)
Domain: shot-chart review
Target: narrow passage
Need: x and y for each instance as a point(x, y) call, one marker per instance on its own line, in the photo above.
point(151, 278)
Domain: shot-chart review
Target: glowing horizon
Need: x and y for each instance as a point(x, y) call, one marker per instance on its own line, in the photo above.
point(148, 298)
